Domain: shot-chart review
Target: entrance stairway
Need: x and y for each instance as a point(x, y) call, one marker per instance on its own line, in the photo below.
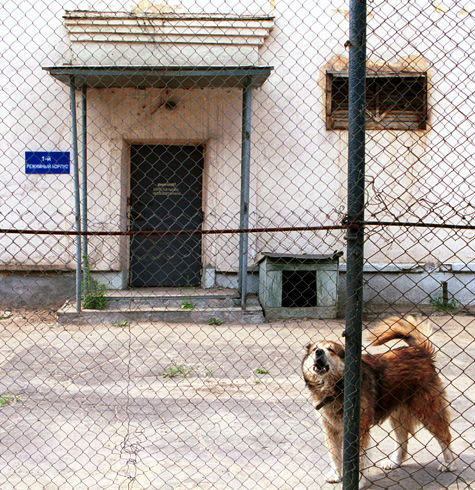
point(169, 305)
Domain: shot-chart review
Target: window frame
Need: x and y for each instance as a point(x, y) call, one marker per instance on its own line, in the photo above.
point(402, 119)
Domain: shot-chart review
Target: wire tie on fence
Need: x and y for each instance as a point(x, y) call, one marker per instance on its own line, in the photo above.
point(351, 226)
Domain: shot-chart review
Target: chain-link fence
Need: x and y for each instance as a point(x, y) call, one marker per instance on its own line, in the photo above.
point(183, 198)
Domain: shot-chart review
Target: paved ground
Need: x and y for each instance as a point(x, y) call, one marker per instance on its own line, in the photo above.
point(95, 409)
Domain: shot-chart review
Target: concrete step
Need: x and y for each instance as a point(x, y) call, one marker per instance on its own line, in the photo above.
point(171, 305)
point(183, 302)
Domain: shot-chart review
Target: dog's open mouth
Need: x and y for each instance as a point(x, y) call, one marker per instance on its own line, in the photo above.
point(321, 367)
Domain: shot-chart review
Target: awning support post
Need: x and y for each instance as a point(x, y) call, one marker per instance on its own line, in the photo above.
point(77, 211)
point(84, 180)
point(245, 178)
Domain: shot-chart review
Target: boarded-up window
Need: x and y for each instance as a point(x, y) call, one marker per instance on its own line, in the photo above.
point(394, 101)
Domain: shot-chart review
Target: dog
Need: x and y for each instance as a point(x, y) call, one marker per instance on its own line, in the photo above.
point(401, 385)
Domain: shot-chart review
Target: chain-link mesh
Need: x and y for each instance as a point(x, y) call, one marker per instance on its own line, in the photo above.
point(190, 161)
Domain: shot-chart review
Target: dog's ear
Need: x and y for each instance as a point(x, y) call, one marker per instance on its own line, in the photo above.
point(308, 347)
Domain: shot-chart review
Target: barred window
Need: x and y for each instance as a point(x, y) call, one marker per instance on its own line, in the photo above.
point(393, 101)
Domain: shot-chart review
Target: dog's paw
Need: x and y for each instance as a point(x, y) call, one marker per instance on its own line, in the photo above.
point(390, 464)
point(333, 477)
point(452, 466)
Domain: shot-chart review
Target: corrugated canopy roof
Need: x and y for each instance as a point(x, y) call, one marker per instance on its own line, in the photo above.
point(161, 76)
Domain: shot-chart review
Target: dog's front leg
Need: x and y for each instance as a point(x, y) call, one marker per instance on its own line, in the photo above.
point(364, 443)
point(334, 439)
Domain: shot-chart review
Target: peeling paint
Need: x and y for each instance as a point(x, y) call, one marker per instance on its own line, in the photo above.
point(146, 6)
point(339, 63)
point(415, 62)
point(344, 12)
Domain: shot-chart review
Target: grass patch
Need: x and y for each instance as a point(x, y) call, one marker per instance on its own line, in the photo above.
point(261, 371)
point(93, 291)
point(95, 300)
point(188, 305)
point(122, 323)
point(174, 370)
point(214, 321)
point(439, 304)
point(7, 399)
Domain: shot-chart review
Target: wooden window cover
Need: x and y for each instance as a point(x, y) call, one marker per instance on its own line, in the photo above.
point(394, 101)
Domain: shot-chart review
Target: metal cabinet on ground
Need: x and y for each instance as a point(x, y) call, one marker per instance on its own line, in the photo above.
point(299, 286)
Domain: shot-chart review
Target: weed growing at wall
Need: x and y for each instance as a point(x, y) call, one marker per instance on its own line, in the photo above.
point(93, 291)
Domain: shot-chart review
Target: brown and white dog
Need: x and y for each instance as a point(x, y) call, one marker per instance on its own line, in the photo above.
point(401, 385)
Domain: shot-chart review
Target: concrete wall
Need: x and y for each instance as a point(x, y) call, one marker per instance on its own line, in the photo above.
point(35, 289)
point(382, 290)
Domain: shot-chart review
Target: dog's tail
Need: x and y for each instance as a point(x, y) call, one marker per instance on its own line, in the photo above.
point(409, 328)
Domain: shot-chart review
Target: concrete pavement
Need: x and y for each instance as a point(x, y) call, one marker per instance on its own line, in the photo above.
point(151, 405)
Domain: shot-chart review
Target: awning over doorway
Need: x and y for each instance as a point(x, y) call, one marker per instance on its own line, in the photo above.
point(143, 77)
point(186, 77)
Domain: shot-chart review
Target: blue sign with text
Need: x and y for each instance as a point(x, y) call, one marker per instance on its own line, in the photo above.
point(47, 162)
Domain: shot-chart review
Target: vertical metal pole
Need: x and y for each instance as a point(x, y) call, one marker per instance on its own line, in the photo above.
point(77, 213)
point(355, 236)
point(84, 180)
point(245, 178)
point(445, 293)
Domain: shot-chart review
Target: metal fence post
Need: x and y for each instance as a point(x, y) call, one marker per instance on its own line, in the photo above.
point(77, 210)
point(355, 237)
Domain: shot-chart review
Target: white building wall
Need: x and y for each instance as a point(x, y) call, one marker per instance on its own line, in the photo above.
point(423, 175)
point(298, 167)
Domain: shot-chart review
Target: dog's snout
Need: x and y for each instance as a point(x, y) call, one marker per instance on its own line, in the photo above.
point(319, 353)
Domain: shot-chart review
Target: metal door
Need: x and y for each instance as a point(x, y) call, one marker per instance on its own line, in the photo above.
point(165, 194)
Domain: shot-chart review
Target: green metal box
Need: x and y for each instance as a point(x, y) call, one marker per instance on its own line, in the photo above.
point(299, 286)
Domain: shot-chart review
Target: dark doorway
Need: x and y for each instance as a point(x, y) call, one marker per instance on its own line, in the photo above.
point(165, 194)
point(299, 289)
